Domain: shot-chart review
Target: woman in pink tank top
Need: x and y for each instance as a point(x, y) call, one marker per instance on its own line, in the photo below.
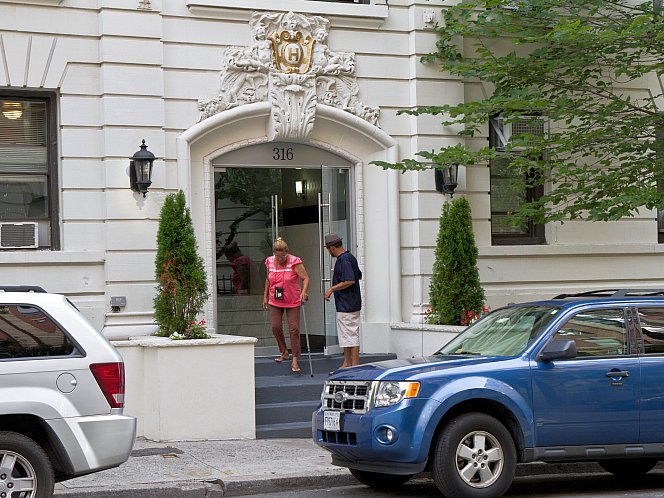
point(283, 294)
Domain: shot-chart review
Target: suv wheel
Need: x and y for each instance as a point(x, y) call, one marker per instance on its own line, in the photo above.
point(632, 468)
point(24, 466)
point(379, 481)
point(474, 457)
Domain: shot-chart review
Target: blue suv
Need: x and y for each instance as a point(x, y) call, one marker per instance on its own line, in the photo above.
point(579, 377)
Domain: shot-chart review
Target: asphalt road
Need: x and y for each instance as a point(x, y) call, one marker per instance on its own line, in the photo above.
point(549, 486)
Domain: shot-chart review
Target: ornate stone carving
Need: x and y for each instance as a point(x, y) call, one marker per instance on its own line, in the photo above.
point(290, 65)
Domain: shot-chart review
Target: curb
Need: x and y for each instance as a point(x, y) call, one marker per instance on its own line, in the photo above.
point(278, 484)
point(209, 489)
point(216, 488)
point(180, 489)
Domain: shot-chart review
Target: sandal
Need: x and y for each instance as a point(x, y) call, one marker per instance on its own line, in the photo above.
point(281, 358)
point(296, 369)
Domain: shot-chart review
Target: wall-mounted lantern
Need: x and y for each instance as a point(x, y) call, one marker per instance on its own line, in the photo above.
point(446, 179)
point(140, 170)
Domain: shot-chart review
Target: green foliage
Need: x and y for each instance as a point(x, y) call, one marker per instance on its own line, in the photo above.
point(579, 63)
point(182, 283)
point(455, 284)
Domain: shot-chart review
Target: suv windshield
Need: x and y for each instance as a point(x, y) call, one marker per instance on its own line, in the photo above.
point(503, 332)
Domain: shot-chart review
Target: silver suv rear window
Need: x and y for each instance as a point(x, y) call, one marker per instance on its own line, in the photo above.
point(27, 332)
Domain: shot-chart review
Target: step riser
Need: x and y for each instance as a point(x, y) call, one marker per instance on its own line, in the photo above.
point(288, 394)
point(286, 414)
point(267, 367)
point(267, 433)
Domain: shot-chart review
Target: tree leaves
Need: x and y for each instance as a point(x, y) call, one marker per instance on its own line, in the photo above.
point(585, 65)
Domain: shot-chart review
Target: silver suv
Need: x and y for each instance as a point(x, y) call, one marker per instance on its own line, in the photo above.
point(61, 395)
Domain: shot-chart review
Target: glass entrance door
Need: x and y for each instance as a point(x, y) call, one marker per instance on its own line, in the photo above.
point(257, 199)
point(333, 209)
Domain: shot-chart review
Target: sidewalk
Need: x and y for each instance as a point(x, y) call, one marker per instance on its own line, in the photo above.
point(211, 469)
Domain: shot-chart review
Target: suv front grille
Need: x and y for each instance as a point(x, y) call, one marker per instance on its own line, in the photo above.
point(347, 396)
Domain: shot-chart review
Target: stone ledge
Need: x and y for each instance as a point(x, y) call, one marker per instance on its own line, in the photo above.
point(165, 342)
point(426, 327)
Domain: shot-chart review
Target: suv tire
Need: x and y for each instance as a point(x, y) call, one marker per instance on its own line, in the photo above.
point(474, 457)
point(26, 460)
point(377, 480)
point(632, 468)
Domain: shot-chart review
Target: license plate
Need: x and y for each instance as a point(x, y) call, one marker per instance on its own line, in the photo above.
point(332, 421)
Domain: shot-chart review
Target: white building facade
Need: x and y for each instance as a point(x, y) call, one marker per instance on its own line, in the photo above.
point(268, 116)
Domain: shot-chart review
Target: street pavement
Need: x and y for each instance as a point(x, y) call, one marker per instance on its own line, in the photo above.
point(212, 469)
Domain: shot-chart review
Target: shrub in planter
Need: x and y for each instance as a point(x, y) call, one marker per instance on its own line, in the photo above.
point(455, 284)
point(182, 283)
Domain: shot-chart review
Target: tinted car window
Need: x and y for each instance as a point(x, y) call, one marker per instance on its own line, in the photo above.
point(27, 332)
point(652, 327)
point(596, 333)
point(503, 332)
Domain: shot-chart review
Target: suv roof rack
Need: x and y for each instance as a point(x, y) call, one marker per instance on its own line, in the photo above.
point(615, 293)
point(21, 288)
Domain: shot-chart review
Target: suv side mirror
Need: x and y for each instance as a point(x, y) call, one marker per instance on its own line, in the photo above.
point(556, 350)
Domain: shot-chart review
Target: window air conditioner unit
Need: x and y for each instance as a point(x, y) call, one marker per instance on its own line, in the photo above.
point(19, 235)
point(524, 125)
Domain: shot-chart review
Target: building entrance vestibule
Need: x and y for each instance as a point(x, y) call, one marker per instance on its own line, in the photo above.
point(288, 190)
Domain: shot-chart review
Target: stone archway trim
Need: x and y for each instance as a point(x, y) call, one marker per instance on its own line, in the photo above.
point(361, 134)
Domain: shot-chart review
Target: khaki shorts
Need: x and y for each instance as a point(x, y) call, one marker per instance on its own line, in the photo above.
point(348, 329)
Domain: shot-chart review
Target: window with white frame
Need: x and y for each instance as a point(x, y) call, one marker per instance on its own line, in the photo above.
point(28, 159)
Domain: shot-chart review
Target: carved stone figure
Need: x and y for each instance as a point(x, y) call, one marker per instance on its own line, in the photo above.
point(290, 65)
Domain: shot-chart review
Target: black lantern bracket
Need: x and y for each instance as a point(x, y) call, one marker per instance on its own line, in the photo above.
point(447, 179)
point(140, 169)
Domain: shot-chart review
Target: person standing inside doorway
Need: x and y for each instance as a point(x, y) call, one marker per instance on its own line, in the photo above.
point(347, 299)
point(284, 295)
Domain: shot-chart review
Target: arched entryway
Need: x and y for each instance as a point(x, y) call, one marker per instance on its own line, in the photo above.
point(238, 138)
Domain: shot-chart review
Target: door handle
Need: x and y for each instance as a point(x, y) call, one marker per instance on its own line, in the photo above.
point(321, 231)
point(617, 373)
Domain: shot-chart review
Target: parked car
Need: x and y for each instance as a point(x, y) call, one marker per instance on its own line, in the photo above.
point(574, 378)
point(61, 395)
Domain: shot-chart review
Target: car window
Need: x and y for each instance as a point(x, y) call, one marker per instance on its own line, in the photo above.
point(652, 327)
point(27, 332)
point(503, 332)
point(596, 332)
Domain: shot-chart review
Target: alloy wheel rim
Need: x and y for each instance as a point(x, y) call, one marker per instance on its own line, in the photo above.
point(17, 476)
point(479, 459)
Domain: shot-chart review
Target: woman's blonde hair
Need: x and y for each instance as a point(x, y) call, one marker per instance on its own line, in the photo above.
point(280, 245)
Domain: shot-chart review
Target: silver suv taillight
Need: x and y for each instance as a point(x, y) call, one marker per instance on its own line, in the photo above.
point(110, 377)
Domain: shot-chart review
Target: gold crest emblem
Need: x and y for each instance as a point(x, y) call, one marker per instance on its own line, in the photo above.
point(292, 51)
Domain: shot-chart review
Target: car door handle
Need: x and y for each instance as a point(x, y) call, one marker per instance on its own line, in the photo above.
point(618, 373)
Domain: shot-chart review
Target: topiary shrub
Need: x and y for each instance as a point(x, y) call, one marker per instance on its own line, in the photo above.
point(455, 284)
point(182, 283)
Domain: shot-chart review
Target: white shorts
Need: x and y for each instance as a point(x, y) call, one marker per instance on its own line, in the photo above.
point(348, 329)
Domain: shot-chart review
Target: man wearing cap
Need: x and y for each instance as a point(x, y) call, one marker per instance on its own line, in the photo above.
point(347, 300)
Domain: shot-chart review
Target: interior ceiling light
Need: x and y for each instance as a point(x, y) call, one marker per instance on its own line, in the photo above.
point(12, 110)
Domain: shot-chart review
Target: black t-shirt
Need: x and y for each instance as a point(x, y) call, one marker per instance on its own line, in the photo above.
point(346, 269)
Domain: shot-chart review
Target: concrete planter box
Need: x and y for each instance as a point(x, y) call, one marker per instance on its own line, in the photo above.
point(191, 389)
point(410, 339)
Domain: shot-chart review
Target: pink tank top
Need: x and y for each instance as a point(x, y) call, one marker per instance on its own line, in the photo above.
point(286, 278)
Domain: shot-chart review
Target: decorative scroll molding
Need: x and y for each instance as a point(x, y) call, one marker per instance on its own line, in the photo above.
point(290, 65)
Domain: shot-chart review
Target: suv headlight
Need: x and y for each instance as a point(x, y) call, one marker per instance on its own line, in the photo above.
point(390, 393)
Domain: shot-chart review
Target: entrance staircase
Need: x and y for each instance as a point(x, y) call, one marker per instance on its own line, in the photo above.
point(285, 401)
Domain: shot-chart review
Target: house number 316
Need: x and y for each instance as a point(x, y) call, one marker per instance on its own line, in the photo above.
point(282, 154)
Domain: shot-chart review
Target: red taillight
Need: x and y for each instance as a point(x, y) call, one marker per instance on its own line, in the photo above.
point(110, 377)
